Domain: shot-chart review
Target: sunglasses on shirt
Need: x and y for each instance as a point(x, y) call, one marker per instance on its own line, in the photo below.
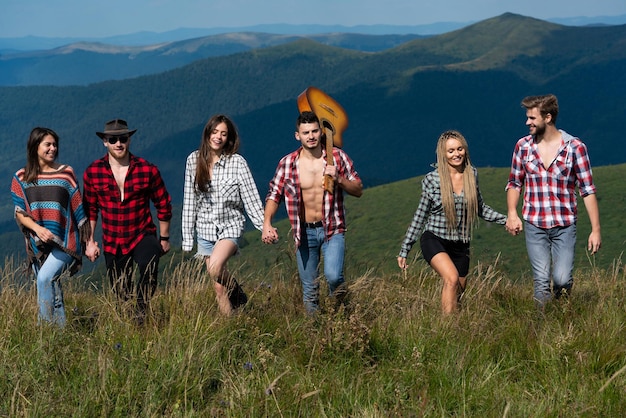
point(113, 139)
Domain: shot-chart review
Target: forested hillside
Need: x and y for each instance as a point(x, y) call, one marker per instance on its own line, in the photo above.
point(83, 63)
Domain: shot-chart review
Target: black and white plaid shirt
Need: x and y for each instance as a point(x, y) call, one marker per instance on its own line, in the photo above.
point(430, 215)
point(219, 213)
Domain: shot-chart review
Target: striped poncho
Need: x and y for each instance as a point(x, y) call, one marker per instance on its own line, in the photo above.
point(55, 203)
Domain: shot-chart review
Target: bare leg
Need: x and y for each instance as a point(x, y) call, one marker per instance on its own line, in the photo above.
point(216, 265)
point(452, 283)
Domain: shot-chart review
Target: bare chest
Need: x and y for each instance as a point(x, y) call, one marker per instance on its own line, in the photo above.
point(311, 173)
point(548, 152)
point(119, 174)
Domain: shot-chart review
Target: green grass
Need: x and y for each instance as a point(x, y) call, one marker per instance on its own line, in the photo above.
point(389, 353)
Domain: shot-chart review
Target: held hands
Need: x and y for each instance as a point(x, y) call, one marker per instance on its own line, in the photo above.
point(513, 225)
point(270, 234)
point(92, 251)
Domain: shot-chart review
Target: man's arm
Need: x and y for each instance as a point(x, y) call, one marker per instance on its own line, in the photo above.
point(513, 223)
point(162, 202)
point(90, 204)
point(270, 234)
point(595, 240)
point(352, 187)
point(92, 251)
point(164, 231)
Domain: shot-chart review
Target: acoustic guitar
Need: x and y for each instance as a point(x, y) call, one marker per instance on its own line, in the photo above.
point(333, 121)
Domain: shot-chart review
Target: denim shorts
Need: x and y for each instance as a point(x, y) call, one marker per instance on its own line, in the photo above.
point(205, 247)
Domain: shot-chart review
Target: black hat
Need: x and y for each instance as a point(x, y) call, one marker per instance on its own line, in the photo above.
point(116, 127)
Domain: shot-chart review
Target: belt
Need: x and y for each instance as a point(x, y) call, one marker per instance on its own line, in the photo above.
point(312, 225)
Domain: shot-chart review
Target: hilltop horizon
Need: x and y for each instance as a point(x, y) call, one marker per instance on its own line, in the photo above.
point(75, 18)
point(31, 42)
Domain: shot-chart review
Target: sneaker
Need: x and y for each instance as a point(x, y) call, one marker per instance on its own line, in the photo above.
point(237, 297)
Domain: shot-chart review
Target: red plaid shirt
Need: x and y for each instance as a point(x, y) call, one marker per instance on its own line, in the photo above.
point(549, 194)
point(286, 185)
point(125, 223)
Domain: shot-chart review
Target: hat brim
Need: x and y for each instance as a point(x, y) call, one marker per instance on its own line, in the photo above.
point(103, 135)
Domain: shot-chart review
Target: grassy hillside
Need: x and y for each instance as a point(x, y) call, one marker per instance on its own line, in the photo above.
point(388, 353)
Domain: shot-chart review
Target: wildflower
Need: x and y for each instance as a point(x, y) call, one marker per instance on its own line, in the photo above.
point(118, 346)
point(247, 366)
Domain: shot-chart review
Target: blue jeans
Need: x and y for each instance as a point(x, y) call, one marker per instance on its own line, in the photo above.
point(308, 257)
point(551, 250)
point(49, 292)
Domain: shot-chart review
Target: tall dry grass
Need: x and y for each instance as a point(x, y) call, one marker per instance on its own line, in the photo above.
point(388, 352)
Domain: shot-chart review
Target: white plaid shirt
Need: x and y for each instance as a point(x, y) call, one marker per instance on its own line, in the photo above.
point(219, 213)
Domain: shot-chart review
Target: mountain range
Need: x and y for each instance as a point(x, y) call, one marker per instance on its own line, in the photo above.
point(84, 63)
point(398, 99)
point(31, 43)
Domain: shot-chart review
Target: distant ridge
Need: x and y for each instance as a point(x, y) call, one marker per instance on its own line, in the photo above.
point(83, 63)
point(146, 38)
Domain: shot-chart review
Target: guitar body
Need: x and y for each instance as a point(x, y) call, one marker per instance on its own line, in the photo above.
point(332, 116)
point(333, 121)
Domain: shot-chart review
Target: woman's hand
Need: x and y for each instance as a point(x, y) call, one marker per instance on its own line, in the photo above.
point(44, 234)
point(402, 263)
point(92, 252)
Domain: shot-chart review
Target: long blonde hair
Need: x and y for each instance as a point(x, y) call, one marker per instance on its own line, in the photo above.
point(470, 191)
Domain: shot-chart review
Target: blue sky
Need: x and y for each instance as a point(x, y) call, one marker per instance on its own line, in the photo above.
point(97, 18)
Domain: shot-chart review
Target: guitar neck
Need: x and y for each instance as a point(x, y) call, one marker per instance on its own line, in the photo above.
point(329, 147)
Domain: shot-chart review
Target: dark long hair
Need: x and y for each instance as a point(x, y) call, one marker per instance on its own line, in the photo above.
point(204, 151)
point(32, 169)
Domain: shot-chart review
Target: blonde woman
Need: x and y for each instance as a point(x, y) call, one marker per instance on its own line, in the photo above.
point(449, 208)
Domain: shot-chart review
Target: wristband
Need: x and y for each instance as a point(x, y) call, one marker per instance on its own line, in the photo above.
point(164, 238)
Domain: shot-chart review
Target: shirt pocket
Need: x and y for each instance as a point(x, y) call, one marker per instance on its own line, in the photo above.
point(291, 189)
point(229, 190)
point(437, 207)
point(138, 187)
point(532, 165)
point(563, 165)
point(105, 191)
